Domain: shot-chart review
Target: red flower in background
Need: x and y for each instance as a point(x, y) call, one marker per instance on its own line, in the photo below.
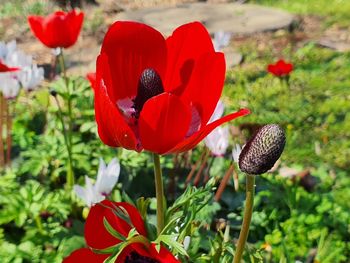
point(59, 29)
point(5, 68)
point(97, 237)
point(280, 69)
point(158, 94)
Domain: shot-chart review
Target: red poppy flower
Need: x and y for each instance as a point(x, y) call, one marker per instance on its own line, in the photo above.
point(158, 94)
point(280, 69)
point(5, 68)
point(58, 29)
point(97, 237)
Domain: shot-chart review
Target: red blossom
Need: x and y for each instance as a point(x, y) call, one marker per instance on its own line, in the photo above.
point(280, 69)
point(5, 68)
point(158, 94)
point(98, 238)
point(59, 29)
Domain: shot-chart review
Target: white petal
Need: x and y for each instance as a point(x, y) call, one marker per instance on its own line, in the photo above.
point(221, 40)
point(218, 140)
point(108, 178)
point(236, 151)
point(218, 112)
point(187, 241)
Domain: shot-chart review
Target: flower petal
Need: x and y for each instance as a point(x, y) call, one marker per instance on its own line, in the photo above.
point(187, 43)
point(74, 22)
point(132, 47)
point(112, 128)
point(163, 123)
point(95, 233)
point(205, 86)
point(85, 255)
point(36, 25)
point(193, 140)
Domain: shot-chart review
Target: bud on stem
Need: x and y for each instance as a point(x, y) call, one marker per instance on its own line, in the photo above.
point(262, 150)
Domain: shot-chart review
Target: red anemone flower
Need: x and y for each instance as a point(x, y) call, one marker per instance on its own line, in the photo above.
point(158, 94)
point(280, 69)
point(59, 29)
point(5, 68)
point(98, 238)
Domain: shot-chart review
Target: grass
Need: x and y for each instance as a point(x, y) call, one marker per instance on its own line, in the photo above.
point(335, 12)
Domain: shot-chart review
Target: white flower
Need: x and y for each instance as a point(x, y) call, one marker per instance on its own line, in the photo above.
point(218, 140)
point(218, 112)
point(9, 85)
point(30, 77)
point(236, 151)
point(221, 40)
point(88, 193)
point(107, 177)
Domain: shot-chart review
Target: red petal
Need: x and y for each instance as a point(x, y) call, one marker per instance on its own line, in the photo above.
point(112, 128)
point(85, 255)
point(163, 122)
point(193, 140)
point(5, 68)
point(36, 25)
point(187, 43)
point(132, 47)
point(95, 233)
point(74, 22)
point(206, 84)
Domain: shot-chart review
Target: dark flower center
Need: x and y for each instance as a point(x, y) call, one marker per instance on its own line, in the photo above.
point(150, 85)
point(134, 257)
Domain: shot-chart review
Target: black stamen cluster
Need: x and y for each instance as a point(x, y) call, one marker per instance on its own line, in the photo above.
point(134, 257)
point(150, 85)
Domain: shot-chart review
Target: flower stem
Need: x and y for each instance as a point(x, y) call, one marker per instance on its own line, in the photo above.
point(67, 134)
point(70, 173)
point(159, 193)
point(248, 211)
point(8, 133)
point(2, 158)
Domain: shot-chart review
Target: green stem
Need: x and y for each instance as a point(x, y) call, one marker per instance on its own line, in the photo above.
point(70, 173)
point(159, 192)
point(67, 134)
point(248, 211)
point(39, 224)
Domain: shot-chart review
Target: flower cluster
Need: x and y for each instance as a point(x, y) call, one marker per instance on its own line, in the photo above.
point(21, 71)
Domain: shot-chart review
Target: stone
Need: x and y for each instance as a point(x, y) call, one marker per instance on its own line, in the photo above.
point(239, 19)
point(341, 46)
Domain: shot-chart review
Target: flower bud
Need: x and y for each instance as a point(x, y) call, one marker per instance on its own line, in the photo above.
point(262, 150)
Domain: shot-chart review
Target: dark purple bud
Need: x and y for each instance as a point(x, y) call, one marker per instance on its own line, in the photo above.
point(262, 150)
